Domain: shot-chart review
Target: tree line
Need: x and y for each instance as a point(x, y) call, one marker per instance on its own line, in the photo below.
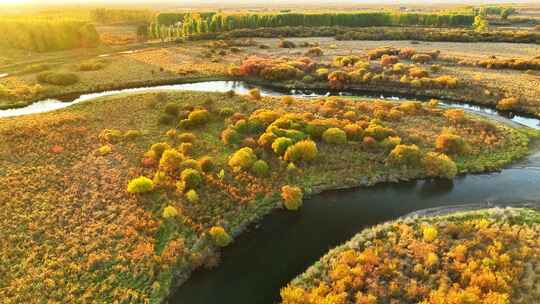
point(43, 35)
point(116, 16)
point(168, 26)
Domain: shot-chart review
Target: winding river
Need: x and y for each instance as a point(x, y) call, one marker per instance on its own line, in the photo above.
point(284, 244)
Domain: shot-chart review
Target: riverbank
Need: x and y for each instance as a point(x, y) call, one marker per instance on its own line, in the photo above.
point(441, 244)
point(80, 181)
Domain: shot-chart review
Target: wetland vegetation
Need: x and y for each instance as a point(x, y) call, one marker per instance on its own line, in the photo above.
point(120, 198)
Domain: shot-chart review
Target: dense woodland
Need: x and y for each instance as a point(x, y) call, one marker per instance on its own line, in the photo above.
point(180, 25)
point(47, 35)
point(121, 16)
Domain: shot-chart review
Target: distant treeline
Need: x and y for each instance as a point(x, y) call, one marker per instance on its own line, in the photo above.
point(169, 19)
point(169, 26)
point(381, 33)
point(119, 16)
point(43, 35)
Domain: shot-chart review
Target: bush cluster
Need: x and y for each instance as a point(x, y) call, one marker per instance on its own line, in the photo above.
point(451, 144)
point(439, 165)
point(292, 197)
point(334, 136)
point(304, 150)
point(140, 185)
point(405, 155)
point(58, 78)
point(220, 237)
point(243, 158)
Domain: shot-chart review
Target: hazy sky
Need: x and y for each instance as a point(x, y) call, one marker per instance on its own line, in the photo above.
point(259, 3)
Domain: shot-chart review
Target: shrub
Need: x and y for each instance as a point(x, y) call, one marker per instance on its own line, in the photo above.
point(287, 100)
point(292, 197)
point(350, 115)
point(266, 139)
point(455, 115)
point(37, 67)
point(192, 196)
point(171, 133)
point(508, 104)
point(286, 44)
point(169, 212)
point(390, 143)
point(110, 135)
point(140, 185)
point(421, 58)
point(104, 150)
point(158, 149)
point(220, 237)
point(230, 137)
point(439, 165)
point(191, 178)
point(170, 161)
point(334, 136)
point(187, 137)
point(241, 126)
point(418, 73)
point(280, 145)
point(206, 163)
point(389, 60)
point(322, 73)
point(160, 179)
point(407, 53)
point(346, 61)
point(189, 163)
point(405, 155)
point(429, 233)
point(451, 144)
point(295, 135)
point(315, 129)
point(369, 142)
point(186, 148)
point(199, 117)
point(410, 107)
point(93, 65)
point(379, 52)
point(354, 132)
point(446, 81)
point(378, 132)
point(132, 134)
point(314, 52)
point(226, 112)
point(58, 78)
point(260, 168)
point(305, 150)
point(243, 158)
point(433, 103)
point(255, 94)
point(338, 79)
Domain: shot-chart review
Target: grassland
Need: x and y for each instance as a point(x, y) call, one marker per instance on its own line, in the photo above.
point(487, 256)
point(65, 200)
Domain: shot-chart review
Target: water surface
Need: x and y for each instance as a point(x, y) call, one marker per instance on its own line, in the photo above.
point(285, 244)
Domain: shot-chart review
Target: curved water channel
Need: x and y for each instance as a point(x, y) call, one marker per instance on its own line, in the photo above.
point(284, 244)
